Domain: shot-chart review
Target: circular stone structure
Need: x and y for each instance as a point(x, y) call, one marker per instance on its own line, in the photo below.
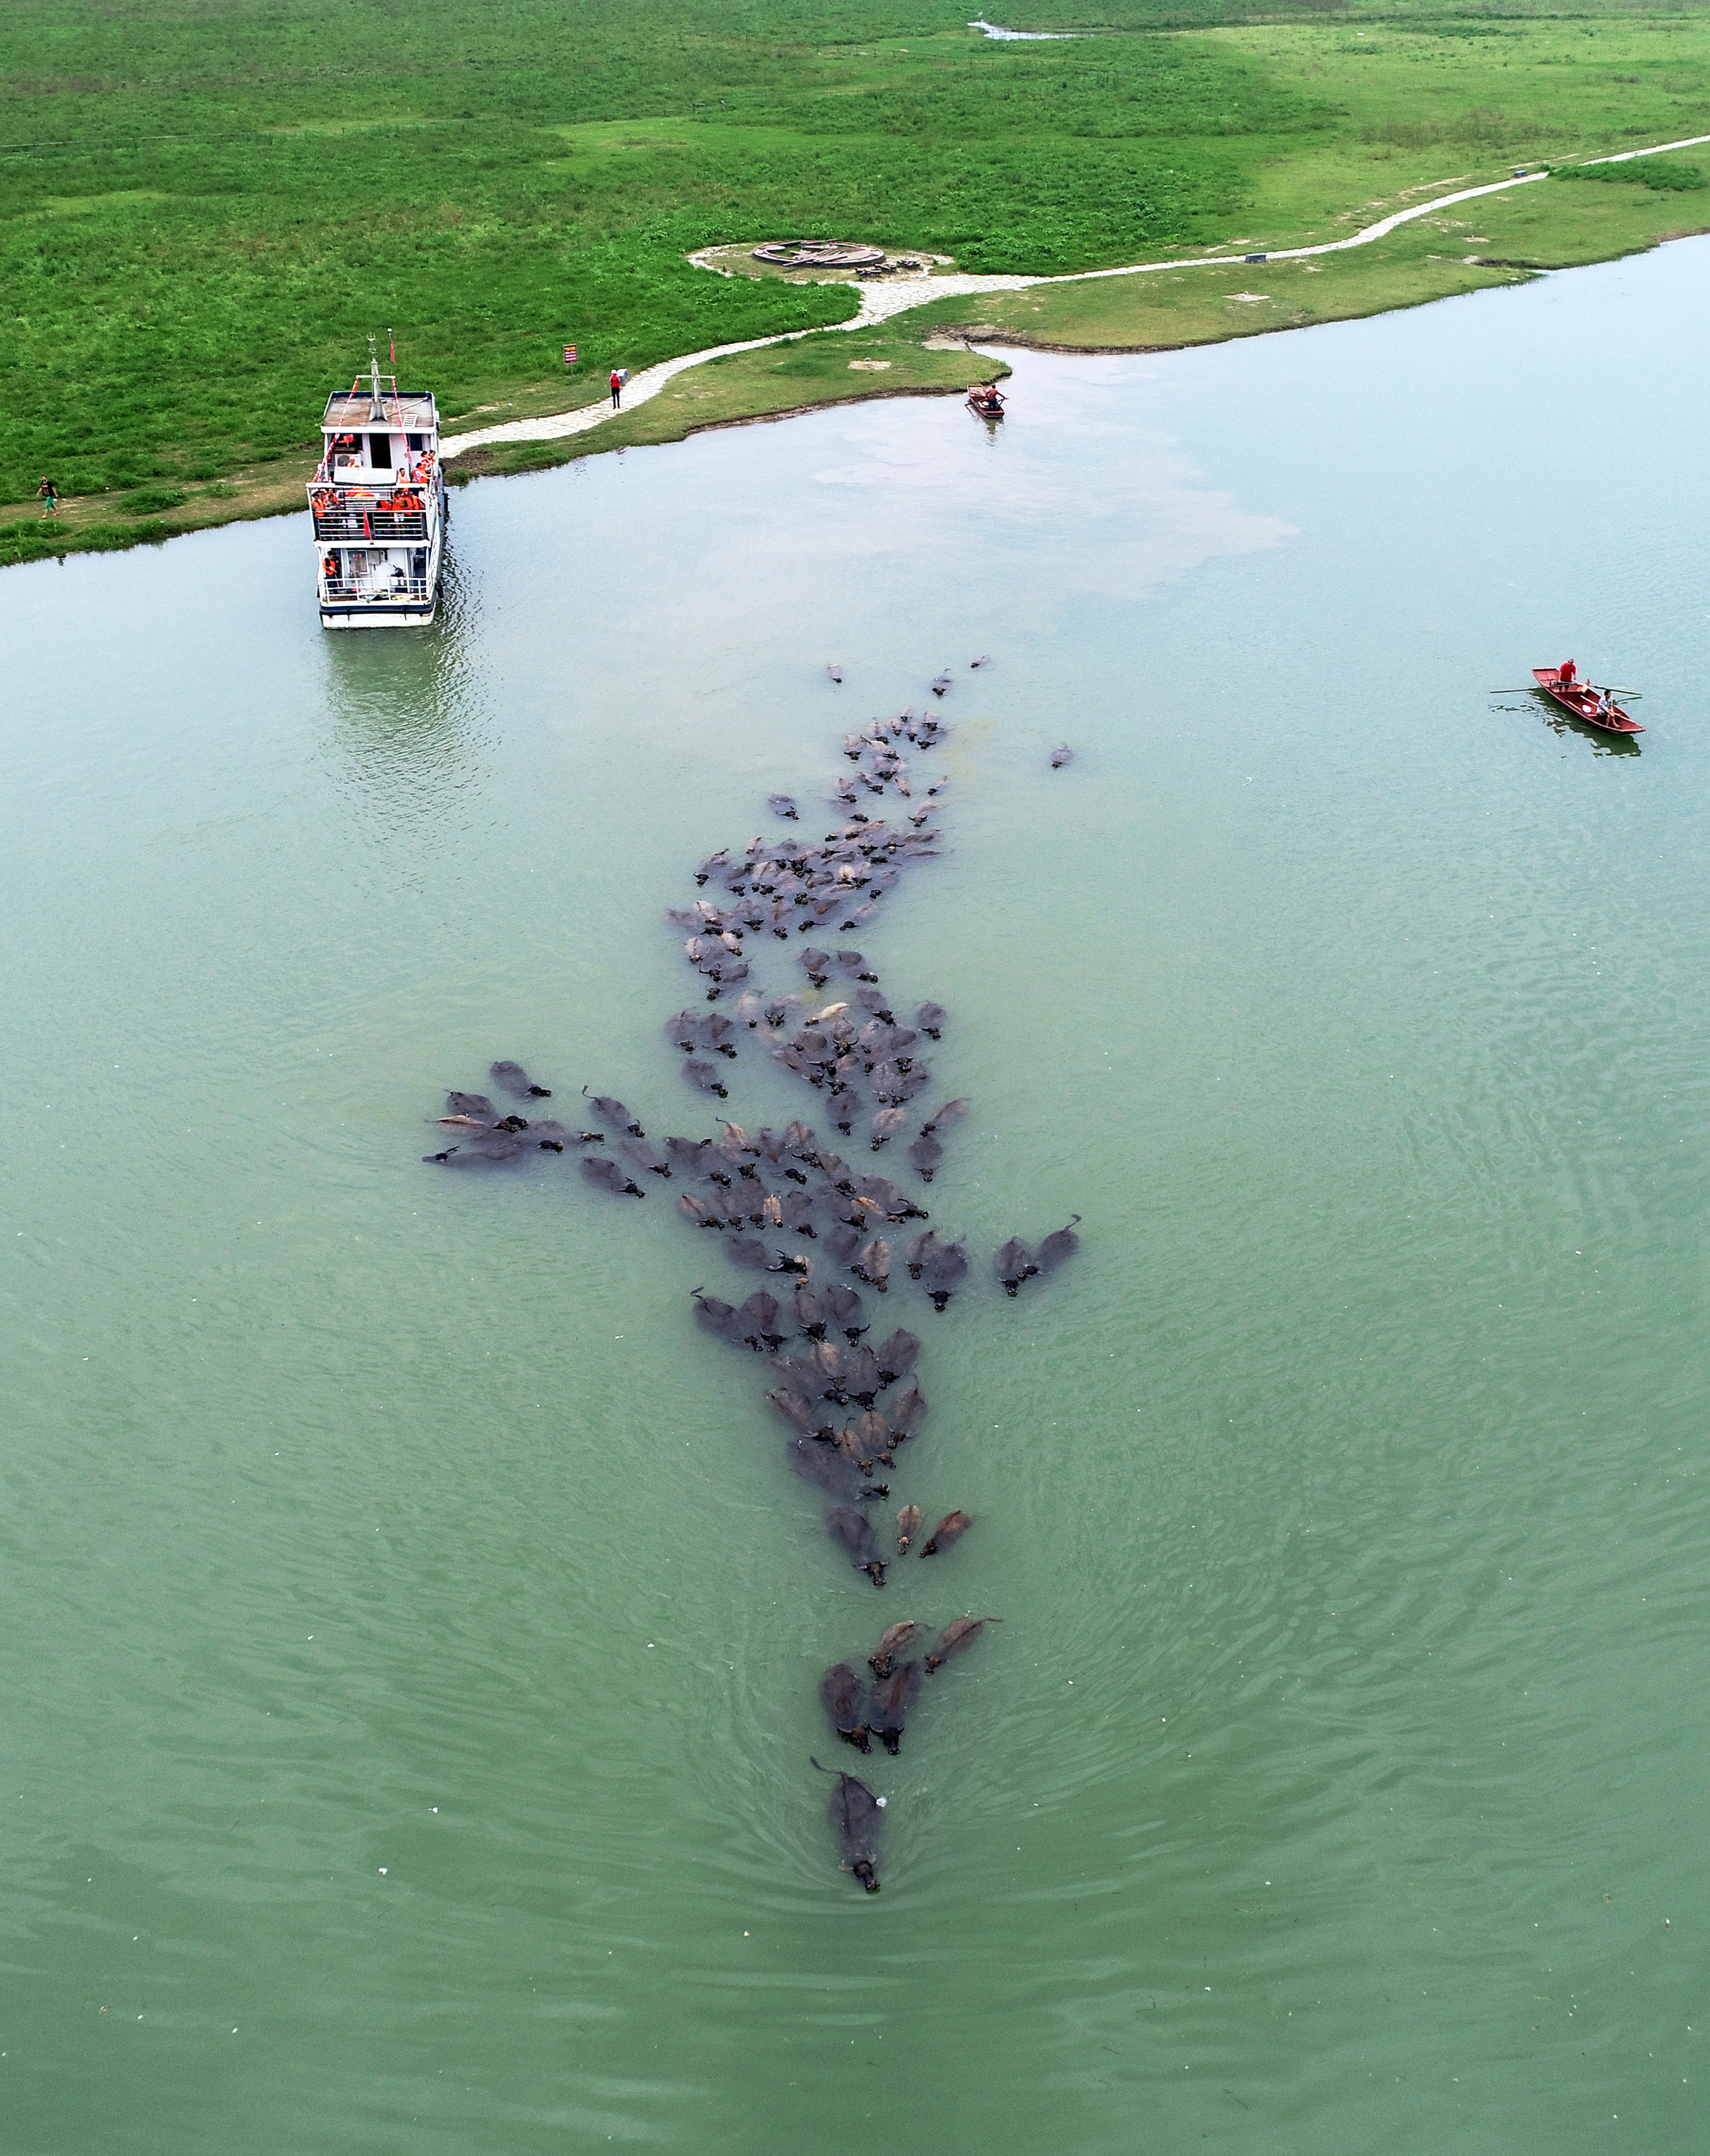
point(819, 254)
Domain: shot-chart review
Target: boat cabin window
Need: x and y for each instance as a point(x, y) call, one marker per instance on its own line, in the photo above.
point(416, 442)
point(380, 452)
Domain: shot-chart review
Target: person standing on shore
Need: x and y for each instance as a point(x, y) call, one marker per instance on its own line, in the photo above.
point(616, 390)
point(49, 495)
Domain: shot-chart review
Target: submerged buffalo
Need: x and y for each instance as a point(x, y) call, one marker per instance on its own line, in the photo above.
point(958, 1635)
point(853, 1533)
point(1063, 1244)
point(854, 1815)
point(950, 1530)
point(896, 1638)
point(517, 1082)
point(843, 1696)
point(887, 1709)
point(1013, 1263)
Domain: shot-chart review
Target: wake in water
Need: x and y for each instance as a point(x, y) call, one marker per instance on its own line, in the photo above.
point(786, 1204)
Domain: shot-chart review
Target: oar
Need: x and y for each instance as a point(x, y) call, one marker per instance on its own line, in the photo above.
point(1637, 694)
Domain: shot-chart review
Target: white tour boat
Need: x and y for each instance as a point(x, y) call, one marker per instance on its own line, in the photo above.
point(378, 499)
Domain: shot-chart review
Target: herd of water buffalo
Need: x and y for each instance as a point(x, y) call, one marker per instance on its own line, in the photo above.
point(787, 1204)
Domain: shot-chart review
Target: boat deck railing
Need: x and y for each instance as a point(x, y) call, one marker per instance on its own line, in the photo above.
point(376, 591)
point(367, 522)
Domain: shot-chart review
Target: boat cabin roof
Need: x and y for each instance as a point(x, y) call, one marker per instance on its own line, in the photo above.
point(350, 411)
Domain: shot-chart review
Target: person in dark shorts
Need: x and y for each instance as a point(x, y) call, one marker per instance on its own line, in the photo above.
point(616, 390)
point(48, 495)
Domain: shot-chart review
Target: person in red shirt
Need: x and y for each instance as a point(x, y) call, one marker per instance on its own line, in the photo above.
point(1567, 671)
point(616, 390)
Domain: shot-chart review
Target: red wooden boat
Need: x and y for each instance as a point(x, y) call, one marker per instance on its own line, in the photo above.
point(1562, 683)
point(985, 398)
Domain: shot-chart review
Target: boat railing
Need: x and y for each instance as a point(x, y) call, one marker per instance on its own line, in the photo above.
point(369, 523)
point(373, 590)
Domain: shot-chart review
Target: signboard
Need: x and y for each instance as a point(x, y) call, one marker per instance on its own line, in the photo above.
point(570, 355)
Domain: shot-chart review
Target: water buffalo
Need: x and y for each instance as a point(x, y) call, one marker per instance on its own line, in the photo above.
point(908, 1527)
point(960, 1633)
point(886, 1709)
point(895, 1639)
point(847, 1311)
point(713, 1315)
point(827, 1465)
point(517, 1082)
point(758, 1322)
point(853, 1533)
point(905, 1414)
point(1059, 1246)
point(927, 1155)
point(608, 1175)
point(843, 1696)
point(615, 1113)
point(950, 1529)
point(853, 1812)
point(945, 1273)
point(642, 1156)
point(1013, 1263)
point(896, 1356)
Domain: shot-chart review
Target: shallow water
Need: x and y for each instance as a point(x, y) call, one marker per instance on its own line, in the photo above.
point(1343, 1502)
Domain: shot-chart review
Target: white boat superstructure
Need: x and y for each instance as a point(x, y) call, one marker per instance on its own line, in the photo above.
point(378, 499)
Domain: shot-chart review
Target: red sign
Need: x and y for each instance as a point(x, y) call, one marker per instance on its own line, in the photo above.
point(570, 355)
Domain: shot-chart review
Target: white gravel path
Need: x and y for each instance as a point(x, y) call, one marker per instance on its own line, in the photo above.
point(896, 295)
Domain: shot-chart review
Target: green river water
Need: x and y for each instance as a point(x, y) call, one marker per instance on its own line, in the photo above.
point(411, 1635)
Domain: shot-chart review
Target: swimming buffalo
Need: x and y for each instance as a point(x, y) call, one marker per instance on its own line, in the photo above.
point(895, 1639)
point(853, 1533)
point(1013, 1263)
point(950, 1529)
point(615, 1113)
point(960, 1633)
point(608, 1175)
point(843, 1696)
point(854, 1815)
point(1057, 1246)
point(887, 1706)
point(517, 1082)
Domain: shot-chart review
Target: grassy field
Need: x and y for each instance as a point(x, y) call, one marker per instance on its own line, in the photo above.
point(205, 212)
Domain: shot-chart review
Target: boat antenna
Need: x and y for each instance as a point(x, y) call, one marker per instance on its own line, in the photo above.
point(374, 379)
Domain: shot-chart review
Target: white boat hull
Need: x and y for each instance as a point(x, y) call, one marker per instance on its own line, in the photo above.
point(410, 616)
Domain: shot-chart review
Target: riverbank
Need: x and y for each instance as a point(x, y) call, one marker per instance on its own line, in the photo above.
point(1455, 246)
point(203, 218)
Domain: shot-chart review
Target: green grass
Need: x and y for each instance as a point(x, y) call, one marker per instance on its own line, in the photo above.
point(1662, 175)
point(206, 210)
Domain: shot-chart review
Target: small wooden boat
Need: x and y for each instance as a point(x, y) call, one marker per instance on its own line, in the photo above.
point(1582, 699)
point(985, 398)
